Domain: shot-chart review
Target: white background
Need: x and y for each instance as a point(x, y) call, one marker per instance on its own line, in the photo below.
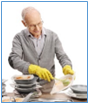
point(67, 19)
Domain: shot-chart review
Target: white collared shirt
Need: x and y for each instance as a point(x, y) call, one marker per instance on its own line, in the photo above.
point(38, 43)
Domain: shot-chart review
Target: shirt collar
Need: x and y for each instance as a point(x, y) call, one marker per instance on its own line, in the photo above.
point(43, 34)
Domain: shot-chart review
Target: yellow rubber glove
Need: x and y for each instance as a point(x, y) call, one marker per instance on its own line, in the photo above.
point(67, 70)
point(43, 73)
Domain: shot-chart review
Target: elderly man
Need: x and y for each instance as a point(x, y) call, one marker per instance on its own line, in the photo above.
point(34, 49)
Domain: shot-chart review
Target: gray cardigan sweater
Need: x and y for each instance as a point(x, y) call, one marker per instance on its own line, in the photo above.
point(23, 53)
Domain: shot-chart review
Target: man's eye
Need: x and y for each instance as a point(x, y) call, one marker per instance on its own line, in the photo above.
point(39, 23)
point(31, 25)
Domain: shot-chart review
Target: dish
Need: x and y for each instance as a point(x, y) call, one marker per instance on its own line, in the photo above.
point(27, 90)
point(79, 88)
point(24, 79)
point(70, 93)
point(62, 83)
point(25, 85)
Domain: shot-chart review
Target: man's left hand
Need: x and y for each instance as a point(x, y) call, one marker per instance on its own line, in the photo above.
point(68, 70)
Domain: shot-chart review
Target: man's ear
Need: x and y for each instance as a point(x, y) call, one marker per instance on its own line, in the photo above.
point(23, 23)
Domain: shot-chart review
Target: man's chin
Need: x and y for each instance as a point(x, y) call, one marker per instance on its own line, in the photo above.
point(37, 35)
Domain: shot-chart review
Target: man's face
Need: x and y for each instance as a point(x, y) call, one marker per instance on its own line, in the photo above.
point(34, 23)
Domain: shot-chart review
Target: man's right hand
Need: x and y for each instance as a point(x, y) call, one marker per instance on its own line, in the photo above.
point(43, 73)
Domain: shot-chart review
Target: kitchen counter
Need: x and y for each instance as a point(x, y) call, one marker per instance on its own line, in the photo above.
point(55, 96)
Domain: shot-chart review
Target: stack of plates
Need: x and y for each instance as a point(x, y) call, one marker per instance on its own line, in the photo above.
point(3, 87)
point(25, 83)
point(78, 91)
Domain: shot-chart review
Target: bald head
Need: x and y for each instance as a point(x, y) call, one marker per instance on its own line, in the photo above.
point(32, 20)
point(29, 10)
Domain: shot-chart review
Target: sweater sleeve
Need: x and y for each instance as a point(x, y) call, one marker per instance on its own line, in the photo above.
point(16, 56)
point(60, 54)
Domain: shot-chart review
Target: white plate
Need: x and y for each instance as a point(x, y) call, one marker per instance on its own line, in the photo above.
point(59, 86)
point(70, 93)
point(79, 88)
point(27, 90)
point(24, 79)
point(24, 85)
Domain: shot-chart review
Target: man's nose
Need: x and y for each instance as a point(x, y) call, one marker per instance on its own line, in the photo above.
point(37, 27)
